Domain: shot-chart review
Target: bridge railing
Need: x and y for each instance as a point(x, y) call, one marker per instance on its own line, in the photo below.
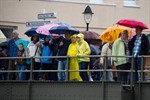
point(141, 71)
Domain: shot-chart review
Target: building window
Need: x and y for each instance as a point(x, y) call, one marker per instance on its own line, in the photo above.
point(130, 2)
point(96, 1)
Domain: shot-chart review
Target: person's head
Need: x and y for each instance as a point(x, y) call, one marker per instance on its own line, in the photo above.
point(55, 36)
point(15, 35)
point(73, 38)
point(138, 30)
point(80, 37)
point(68, 35)
point(21, 47)
point(124, 34)
point(35, 38)
point(48, 38)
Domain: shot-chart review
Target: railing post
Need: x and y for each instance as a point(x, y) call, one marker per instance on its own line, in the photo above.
point(31, 67)
point(105, 75)
point(142, 68)
point(105, 68)
point(132, 78)
point(67, 69)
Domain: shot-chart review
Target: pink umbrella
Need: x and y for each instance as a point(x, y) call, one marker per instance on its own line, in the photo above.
point(44, 30)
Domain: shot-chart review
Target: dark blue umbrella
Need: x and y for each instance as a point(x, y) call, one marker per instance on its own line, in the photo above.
point(3, 43)
point(32, 31)
point(62, 28)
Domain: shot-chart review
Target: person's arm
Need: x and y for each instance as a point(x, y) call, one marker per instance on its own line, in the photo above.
point(84, 50)
point(88, 50)
point(131, 44)
point(8, 48)
point(103, 53)
point(146, 44)
point(27, 52)
point(61, 42)
point(69, 50)
point(114, 51)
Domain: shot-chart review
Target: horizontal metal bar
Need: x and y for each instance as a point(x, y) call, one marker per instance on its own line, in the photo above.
point(70, 57)
point(102, 70)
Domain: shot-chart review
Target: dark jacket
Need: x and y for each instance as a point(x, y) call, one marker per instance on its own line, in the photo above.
point(64, 48)
point(3, 62)
point(21, 61)
point(55, 46)
point(144, 45)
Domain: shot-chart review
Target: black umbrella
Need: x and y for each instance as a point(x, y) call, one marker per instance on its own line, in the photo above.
point(3, 43)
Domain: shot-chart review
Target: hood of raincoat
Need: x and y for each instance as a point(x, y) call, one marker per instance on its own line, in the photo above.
point(81, 36)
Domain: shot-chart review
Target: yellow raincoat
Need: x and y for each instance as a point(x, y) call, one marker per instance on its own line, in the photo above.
point(72, 51)
point(83, 49)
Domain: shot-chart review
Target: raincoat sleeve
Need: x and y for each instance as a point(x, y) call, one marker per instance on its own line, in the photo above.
point(68, 52)
point(84, 50)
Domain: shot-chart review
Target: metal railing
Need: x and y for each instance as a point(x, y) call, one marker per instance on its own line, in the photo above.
point(104, 70)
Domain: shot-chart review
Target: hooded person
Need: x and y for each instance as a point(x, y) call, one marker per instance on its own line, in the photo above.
point(83, 49)
point(73, 62)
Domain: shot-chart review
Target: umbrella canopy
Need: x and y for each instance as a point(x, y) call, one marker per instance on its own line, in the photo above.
point(31, 32)
point(3, 43)
point(112, 33)
point(44, 30)
point(89, 35)
point(62, 28)
point(23, 41)
point(132, 23)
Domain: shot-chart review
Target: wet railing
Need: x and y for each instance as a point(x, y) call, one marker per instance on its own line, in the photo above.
point(104, 70)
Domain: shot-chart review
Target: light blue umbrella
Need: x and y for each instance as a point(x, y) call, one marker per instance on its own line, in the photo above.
point(22, 41)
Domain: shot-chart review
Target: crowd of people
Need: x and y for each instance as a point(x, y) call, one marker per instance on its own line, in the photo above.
point(73, 45)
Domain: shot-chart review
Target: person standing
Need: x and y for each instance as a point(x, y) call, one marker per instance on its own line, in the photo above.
point(139, 45)
point(21, 63)
point(55, 49)
point(120, 48)
point(73, 62)
point(107, 51)
point(46, 62)
point(34, 50)
point(3, 63)
point(83, 49)
point(12, 50)
point(62, 62)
